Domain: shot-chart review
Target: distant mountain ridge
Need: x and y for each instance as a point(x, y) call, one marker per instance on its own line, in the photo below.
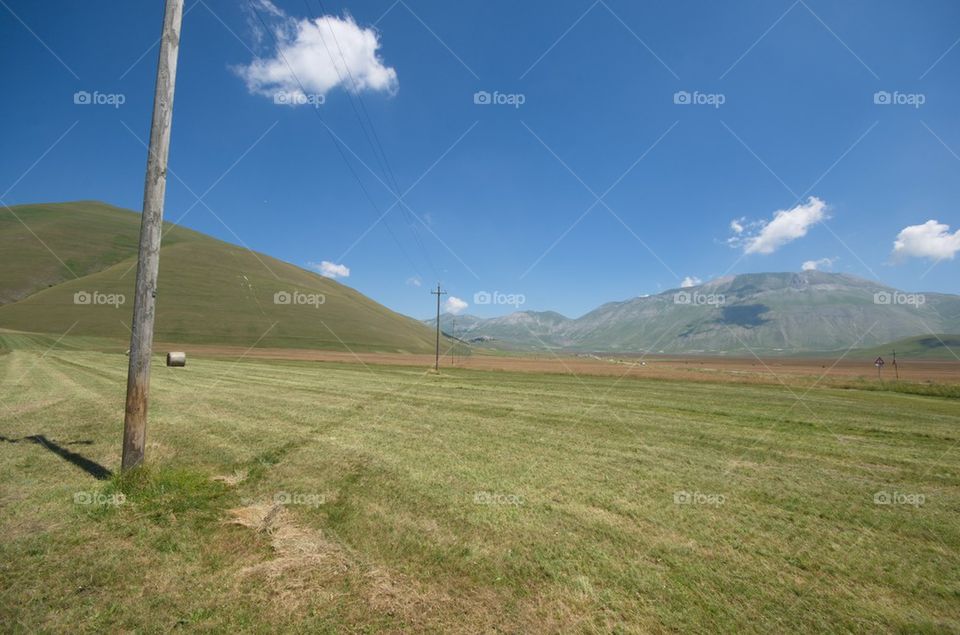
point(762, 313)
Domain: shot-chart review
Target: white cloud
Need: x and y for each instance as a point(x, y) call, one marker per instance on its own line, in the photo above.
point(269, 7)
point(414, 281)
point(330, 269)
point(765, 237)
point(454, 305)
point(690, 281)
point(322, 53)
point(931, 240)
point(815, 265)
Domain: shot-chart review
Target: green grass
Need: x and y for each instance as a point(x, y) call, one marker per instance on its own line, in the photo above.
point(210, 291)
point(87, 236)
point(929, 388)
point(943, 346)
point(388, 464)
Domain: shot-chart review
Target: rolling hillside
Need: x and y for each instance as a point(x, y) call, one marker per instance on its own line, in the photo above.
point(935, 346)
point(79, 238)
point(763, 313)
point(209, 291)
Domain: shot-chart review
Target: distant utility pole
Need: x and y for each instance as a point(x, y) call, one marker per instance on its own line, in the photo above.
point(438, 293)
point(896, 369)
point(151, 230)
point(453, 330)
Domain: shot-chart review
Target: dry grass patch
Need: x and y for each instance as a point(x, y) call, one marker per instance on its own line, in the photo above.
point(308, 568)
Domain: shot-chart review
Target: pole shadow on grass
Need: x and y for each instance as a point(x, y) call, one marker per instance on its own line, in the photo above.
point(92, 468)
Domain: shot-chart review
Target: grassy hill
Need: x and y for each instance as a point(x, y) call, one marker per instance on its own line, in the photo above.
point(943, 347)
point(209, 291)
point(79, 238)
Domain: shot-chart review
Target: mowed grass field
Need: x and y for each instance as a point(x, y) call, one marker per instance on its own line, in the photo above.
point(323, 497)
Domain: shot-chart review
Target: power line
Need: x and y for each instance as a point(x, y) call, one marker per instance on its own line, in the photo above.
point(381, 156)
point(375, 143)
point(343, 156)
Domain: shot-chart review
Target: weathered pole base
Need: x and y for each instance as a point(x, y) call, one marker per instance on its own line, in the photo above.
point(134, 429)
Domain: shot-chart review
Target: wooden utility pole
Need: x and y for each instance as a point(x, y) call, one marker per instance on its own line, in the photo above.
point(151, 230)
point(438, 293)
point(896, 369)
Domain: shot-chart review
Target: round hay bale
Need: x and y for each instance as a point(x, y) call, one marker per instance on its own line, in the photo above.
point(176, 359)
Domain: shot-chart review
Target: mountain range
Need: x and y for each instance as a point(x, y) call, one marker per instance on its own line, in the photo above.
point(70, 268)
point(761, 313)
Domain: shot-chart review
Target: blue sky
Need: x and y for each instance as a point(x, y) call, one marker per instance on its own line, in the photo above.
point(505, 195)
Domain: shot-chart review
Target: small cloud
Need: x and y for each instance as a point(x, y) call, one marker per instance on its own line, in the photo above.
point(315, 56)
point(454, 305)
point(765, 237)
point(270, 8)
point(931, 240)
point(690, 281)
point(816, 265)
point(414, 281)
point(330, 269)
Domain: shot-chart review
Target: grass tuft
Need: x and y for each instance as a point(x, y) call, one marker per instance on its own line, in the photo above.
point(258, 467)
point(163, 492)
